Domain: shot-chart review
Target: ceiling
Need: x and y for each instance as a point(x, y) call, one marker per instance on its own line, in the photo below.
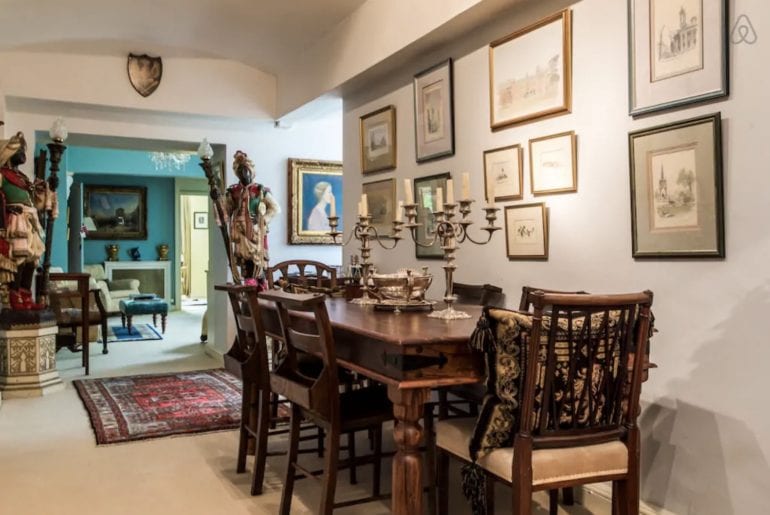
point(264, 34)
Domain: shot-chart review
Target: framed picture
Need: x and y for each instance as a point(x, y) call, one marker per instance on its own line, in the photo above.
point(530, 72)
point(425, 197)
point(315, 192)
point(200, 220)
point(678, 53)
point(378, 140)
point(553, 164)
point(526, 231)
point(119, 212)
point(676, 189)
point(381, 196)
point(434, 112)
point(503, 178)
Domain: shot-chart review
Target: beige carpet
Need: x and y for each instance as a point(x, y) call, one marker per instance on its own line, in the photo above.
point(49, 462)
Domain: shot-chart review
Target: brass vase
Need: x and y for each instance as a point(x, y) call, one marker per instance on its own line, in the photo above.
point(162, 252)
point(112, 252)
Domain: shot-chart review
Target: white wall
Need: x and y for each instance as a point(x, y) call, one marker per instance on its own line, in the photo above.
point(706, 429)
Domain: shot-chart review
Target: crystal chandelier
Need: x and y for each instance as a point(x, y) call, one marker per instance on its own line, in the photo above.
point(170, 160)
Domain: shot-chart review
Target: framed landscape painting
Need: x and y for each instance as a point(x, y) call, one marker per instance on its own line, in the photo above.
point(378, 140)
point(553, 164)
point(678, 53)
point(526, 231)
point(381, 197)
point(119, 212)
point(315, 192)
point(433, 113)
point(676, 189)
point(425, 197)
point(530, 72)
point(503, 177)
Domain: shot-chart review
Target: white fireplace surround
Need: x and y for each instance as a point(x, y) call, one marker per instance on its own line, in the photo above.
point(164, 266)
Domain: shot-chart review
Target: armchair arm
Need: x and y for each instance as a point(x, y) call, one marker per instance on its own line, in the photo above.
point(124, 284)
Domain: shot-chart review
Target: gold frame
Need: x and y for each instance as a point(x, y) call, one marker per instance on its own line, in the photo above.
point(544, 255)
point(573, 145)
point(390, 159)
point(503, 198)
point(566, 18)
point(296, 235)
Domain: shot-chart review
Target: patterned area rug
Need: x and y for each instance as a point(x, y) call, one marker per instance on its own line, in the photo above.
point(129, 408)
point(116, 333)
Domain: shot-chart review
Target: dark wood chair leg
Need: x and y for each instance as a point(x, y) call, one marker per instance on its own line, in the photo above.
point(553, 501)
point(352, 457)
point(86, 355)
point(490, 494)
point(377, 465)
point(443, 406)
point(123, 319)
point(330, 472)
point(320, 439)
point(163, 323)
point(155, 319)
point(105, 350)
point(273, 410)
point(243, 437)
point(291, 459)
point(615, 503)
point(430, 458)
point(442, 481)
point(260, 451)
point(128, 323)
point(568, 496)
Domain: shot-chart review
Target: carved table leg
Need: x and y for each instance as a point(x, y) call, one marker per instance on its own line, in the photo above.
point(408, 408)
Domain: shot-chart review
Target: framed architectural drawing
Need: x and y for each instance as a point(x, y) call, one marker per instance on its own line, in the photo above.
point(315, 192)
point(678, 53)
point(381, 197)
point(676, 189)
point(425, 197)
point(553, 163)
point(378, 140)
point(119, 212)
point(434, 113)
point(530, 72)
point(526, 231)
point(503, 177)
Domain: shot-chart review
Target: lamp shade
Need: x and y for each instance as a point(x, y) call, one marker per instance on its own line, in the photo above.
point(204, 150)
point(58, 131)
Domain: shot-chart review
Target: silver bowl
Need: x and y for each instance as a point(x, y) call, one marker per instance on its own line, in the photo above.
point(406, 285)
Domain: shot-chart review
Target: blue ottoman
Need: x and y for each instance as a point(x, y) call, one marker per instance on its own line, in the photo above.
point(154, 307)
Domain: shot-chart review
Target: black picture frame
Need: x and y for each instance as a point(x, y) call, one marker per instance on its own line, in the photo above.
point(436, 82)
point(424, 193)
point(118, 212)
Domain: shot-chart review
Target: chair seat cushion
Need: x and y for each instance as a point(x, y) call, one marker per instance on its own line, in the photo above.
point(548, 465)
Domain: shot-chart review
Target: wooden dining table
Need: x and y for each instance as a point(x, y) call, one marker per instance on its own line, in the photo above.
point(411, 354)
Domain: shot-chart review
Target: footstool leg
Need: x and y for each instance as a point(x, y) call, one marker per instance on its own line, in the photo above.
point(163, 322)
point(123, 319)
point(155, 319)
point(128, 318)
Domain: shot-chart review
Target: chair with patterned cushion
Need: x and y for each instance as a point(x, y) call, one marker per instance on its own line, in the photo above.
point(545, 429)
point(302, 274)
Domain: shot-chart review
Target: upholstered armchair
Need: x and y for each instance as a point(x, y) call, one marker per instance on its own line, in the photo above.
point(111, 292)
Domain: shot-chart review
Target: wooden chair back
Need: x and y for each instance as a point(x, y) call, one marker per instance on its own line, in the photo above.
point(318, 395)
point(584, 386)
point(303, 273)
point(479, 294)
point(526, 305)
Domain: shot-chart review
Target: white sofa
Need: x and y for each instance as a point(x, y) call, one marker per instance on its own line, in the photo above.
point(112, 292)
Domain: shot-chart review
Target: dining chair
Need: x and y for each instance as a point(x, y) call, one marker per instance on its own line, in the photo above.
point(303, 274)
point(318, 399)
point(574, 420)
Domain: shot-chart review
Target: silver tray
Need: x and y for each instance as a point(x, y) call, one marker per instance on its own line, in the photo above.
point(400, 305)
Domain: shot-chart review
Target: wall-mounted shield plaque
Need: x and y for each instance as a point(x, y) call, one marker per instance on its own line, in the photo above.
point(144, 73)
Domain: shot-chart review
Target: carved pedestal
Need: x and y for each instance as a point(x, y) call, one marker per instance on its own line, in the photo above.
point(28, 354)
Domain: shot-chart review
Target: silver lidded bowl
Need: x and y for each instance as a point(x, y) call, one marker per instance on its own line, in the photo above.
point(407, 285)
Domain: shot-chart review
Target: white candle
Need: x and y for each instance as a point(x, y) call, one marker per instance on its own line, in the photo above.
point(491, 193)
point(364, 205)
point(466, 189)
point(359, 208)
point(409, 191)
point(450, 191)
point(399, 210)
point(439, 199)
point(333, 208)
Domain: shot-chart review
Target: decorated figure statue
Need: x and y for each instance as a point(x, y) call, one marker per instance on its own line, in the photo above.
point(250, 207)
point(21, 235)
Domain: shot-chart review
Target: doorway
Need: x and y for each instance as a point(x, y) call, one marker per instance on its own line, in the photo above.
point(194, 255)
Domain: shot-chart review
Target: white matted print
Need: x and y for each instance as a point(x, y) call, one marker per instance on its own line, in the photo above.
point(530, 72)
point(678, 53)
point(673, 174)
point(553, 163)
point(503, 173)
point(526, 231)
